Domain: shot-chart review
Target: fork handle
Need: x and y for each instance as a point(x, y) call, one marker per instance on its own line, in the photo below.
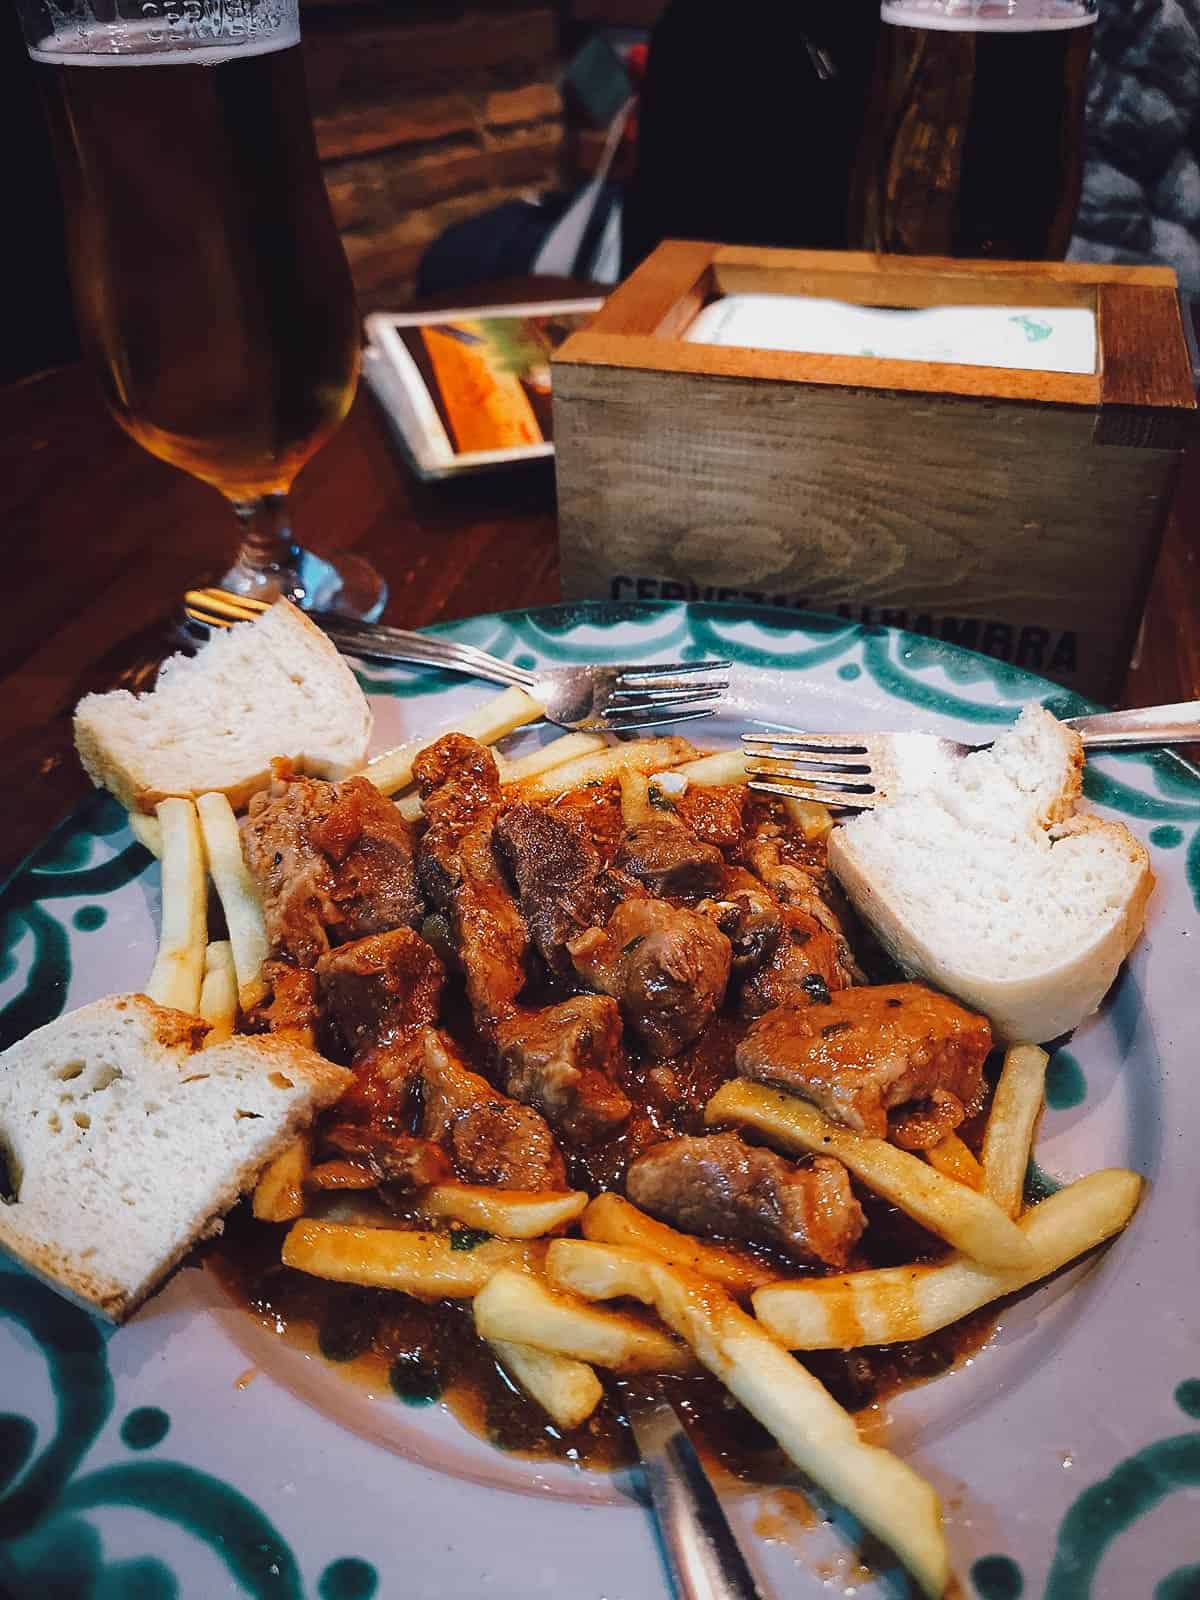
point(1178, 724)
point(398, 644)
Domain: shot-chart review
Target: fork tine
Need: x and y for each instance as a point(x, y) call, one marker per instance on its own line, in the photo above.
point(839, 777)
point(245, 602)
point(822, 794)
point(832, 743)
point(633, 699)
point(661, 707)
point(661, 686)
point(622, 723)
point(214, 603)
point(208, 619)
point(630, 675)
point(805, 767)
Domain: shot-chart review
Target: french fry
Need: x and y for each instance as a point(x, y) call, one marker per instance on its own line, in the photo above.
point(431, 1266)
point(218, 991)
point(555, 754)
point(894, 1303)
point(179, 966)
point(279, 1192)
point(970, 1221)
point(500, 715)
point(511, 1213)
point(885, 1494)
point(146, 831)
point(611, 1220)
point(1008, 1137)
point(953, 1159)
point(409, 806)
point(638, 755)
point(525, 1310)
point(238, 893)
point(814, 820)
point(569, 1391)
point(721, 768)
point(635, 797)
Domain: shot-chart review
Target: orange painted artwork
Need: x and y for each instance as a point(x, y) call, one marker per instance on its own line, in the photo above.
point(489, 377)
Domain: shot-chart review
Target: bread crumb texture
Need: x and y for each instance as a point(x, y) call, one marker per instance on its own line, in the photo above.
point(124, 1142)
point(988, 885)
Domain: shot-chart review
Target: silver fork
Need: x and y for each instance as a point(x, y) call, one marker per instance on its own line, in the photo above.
point(608, 699)
point(858, 771)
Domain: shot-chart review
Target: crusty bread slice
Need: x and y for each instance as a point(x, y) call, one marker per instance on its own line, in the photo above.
point(986, 886)
point(124, 1142)
point(271, 688)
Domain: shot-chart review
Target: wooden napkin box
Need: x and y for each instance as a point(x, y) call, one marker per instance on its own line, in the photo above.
point(1016, 512)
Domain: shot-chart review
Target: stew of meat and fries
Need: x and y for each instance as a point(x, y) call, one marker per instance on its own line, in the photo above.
point(631, 1094)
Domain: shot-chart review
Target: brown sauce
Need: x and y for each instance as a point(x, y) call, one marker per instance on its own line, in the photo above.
point(426, 1353)
point(429, 1352)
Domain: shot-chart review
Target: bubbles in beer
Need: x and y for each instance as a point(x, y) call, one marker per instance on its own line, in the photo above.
point(212, 290)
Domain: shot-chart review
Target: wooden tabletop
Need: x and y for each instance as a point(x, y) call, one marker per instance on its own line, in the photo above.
point(98, 540)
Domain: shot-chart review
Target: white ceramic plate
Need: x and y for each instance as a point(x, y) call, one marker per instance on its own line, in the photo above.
point(136, 1466)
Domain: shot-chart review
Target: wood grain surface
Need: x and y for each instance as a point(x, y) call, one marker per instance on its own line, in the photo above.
point(99, 540)
point(940, 508)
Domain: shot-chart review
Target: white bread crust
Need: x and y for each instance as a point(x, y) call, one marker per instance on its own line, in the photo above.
point(127, 1140)
point(261, 691)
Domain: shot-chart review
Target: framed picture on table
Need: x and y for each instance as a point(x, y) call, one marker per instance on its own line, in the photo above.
point(468, 390)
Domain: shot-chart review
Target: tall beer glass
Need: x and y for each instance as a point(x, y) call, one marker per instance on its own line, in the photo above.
point(213, 296)
point(973, 141)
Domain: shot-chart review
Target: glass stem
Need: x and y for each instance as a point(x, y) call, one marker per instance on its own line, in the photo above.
point(267, 543)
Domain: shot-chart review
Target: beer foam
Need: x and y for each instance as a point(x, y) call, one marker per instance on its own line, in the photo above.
point(907, 14)
point(154, 43)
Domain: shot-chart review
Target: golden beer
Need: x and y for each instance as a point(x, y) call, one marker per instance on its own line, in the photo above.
point(212, 291)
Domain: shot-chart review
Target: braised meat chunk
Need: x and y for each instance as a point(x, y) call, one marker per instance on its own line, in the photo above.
point(562, 1060)
point(458, 870)
point(385, 1080)
point(801, 967)
point(333, 861)
point(658, 847)
point(491, 1138)
point(923, 1123)
point(715, 813)
point(868, 1050)
point(748, 915)
point(295, 877)
point(390, 1157)
point(291, 1007)
point(719, 1185)
point(802, 888)
point(666, 967)
point(458, 780)
point(371, 847)
point(784, 953)
point(378, 986)
point(559, 876)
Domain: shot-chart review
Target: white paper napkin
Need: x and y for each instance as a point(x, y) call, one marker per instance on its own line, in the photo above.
point(1036, 338)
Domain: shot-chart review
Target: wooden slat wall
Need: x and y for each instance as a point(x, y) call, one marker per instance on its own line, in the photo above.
point(426, 115)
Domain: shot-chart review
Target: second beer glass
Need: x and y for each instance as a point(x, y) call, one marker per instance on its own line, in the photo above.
point(973, 144)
